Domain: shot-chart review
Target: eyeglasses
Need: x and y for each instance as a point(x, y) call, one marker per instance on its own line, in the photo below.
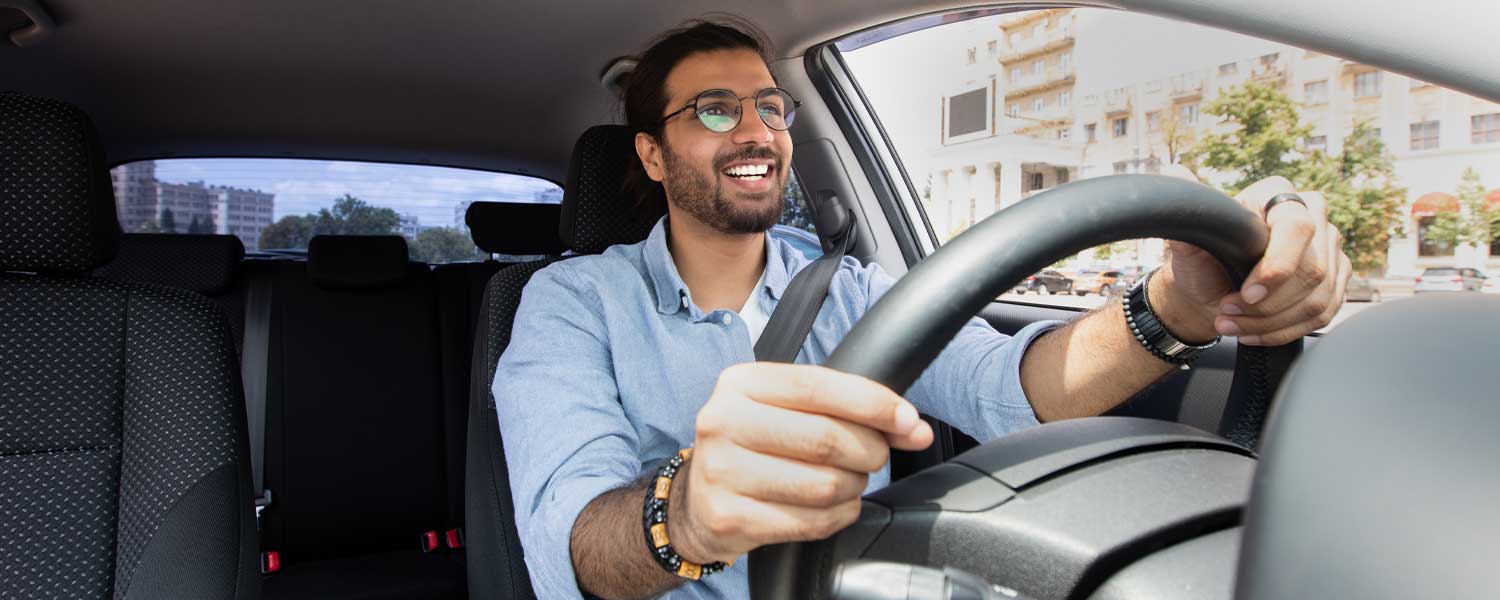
point(719, 110)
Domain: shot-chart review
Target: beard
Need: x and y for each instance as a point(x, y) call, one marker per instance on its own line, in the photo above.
point(704, 199)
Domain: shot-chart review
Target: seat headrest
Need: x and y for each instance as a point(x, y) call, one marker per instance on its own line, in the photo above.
point(356, 261)
point(205, 264)
point(518, 229)
point(1378, 466)
point(596, 213)
point(57, 209)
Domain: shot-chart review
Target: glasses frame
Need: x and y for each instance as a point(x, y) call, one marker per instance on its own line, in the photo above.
point(739, 103)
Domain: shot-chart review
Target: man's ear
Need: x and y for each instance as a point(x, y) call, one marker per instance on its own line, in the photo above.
point(649, 151)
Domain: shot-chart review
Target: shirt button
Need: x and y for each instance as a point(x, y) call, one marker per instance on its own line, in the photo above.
point(728, 319)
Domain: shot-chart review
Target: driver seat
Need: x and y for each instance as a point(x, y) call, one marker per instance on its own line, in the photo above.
point(123, 453)
point(594, 217)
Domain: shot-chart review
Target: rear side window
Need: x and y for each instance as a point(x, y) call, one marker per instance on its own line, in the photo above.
point(1440, 272)
point(277, 205)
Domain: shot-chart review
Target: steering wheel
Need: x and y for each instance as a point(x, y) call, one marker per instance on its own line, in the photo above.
point(902, 334)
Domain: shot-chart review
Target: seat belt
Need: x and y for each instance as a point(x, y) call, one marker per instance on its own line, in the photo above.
point(253, 371)
point(794, 315)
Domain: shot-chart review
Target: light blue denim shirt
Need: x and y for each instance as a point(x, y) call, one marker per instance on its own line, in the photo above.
point(610, 360)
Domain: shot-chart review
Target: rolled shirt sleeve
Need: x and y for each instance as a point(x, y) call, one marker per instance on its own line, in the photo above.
point(566, 437)
point(975, 382)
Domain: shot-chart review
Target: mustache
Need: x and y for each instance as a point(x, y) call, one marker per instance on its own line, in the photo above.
point(747, 153)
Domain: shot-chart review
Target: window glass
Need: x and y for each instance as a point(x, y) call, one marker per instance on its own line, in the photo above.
point(1192, 93)
point(279, 204)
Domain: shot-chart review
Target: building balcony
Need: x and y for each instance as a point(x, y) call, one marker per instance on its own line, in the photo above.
point(1052, 78)
point(1054, 40)
point(1272, 74)
point(1116, 105)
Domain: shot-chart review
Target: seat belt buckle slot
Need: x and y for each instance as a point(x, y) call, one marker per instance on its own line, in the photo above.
point(429, 541)
point(270, 562)
point(454, 538)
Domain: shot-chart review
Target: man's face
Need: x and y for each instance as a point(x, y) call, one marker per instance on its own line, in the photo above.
point(694, 163)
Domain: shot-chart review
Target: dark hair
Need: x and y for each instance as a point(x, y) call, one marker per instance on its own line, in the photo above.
point(646, 88)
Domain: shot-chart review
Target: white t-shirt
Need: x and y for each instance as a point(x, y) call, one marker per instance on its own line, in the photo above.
point(752, 314)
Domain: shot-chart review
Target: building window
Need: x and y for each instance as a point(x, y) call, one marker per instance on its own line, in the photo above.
point(1037, 181)
point(1062, 175)
point(1227, 69)
point(992, 47)
point(1315, 92)
point(1427, 246)
point(1014, 110)
point(1037, 66)
point(1484, 129)
point(1153, 120)
point(1065, 59)
point(1121, 126)
point(968, 112)
point(1015, 74)
point(1367, 84)
point(1089, 132)
point(1424, 135)
point(1188, 114)
point(971, 56)
point(1316, 142)
point(1036, 105)
point(1064, 98)
point(1064, 133)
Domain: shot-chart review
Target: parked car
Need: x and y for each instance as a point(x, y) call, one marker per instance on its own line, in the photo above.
point(1048, 281)
point(1105, 283)
point(1361, 289)
point(1449, 279)
point(1491, 285)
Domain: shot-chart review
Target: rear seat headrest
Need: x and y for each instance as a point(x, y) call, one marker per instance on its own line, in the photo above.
point(514, 228)
point(596, 213)
point(356, 261)
point(57, 209)
point(206, 264)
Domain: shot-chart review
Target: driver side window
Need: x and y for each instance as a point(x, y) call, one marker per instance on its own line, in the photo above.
point(1072, 93)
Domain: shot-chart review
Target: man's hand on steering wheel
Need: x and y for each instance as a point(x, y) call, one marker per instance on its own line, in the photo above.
point(1295, 289)
point(782, 454)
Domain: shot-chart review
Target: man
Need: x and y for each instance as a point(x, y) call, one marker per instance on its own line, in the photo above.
point(618, 361)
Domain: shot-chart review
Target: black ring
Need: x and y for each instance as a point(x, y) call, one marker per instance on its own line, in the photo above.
point(1278, 199)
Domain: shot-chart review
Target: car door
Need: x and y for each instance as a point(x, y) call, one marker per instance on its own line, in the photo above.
point(957, 116)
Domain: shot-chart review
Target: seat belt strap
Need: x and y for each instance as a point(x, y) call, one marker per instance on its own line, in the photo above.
point(793, 318)
point(253, 372)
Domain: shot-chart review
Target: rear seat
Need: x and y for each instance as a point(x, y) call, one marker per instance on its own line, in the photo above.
point(368, 386)
point(355, 453)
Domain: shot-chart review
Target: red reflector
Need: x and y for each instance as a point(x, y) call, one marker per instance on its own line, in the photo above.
point(429, 541)
point(1457, 280)
point(270, 562)
point(454, 538)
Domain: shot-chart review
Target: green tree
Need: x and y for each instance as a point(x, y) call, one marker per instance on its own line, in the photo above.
point(168, 221)
point(796, 211)
point(1266, 132)
point(1364, 199)
point(288, 233)
point(352, 216)
point(444, 244)
point(1475, 222)
point(200, 226)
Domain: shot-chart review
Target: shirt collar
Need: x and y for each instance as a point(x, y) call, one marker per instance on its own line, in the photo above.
point(673, 295)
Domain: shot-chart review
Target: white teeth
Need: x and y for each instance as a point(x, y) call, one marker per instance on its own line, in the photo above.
point(748, 171)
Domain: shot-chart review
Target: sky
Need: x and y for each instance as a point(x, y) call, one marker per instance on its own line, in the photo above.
point(304, 186)
point(906, 77)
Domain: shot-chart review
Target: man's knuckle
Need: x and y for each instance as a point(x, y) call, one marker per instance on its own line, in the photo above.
point(823, 446)
point(1313, 308)
point(824, 492)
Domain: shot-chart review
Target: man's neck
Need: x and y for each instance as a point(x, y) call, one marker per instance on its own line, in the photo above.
point(720, 269)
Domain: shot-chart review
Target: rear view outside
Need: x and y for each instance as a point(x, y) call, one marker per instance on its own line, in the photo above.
point(989, 111)
point(280, 204)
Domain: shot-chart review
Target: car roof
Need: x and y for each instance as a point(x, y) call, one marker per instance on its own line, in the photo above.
point(509, 85)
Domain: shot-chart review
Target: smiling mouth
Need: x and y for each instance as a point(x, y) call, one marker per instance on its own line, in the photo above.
point(748, 172)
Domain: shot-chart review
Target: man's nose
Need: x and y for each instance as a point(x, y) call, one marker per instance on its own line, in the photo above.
point(751, 129)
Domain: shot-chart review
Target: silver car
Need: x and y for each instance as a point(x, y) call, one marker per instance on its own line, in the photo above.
point(1449, 279)
point(1361, 289)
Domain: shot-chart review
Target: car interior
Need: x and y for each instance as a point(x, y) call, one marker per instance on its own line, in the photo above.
point(182, 416)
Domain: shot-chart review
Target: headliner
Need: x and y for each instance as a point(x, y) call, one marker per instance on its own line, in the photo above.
point(507, 85)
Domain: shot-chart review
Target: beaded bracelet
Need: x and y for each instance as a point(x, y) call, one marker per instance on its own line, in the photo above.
point(654, 522)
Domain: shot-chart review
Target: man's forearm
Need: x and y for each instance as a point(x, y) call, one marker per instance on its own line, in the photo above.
point(609, 552)
point(1094, 363)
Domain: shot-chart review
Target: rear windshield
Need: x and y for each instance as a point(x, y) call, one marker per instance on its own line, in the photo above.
point(1440, 272)
point(277, 205)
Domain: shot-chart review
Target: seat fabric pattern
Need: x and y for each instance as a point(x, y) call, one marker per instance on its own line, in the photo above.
point(106, 424)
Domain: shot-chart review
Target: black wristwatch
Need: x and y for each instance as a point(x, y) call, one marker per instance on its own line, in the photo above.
point(1151, 333)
